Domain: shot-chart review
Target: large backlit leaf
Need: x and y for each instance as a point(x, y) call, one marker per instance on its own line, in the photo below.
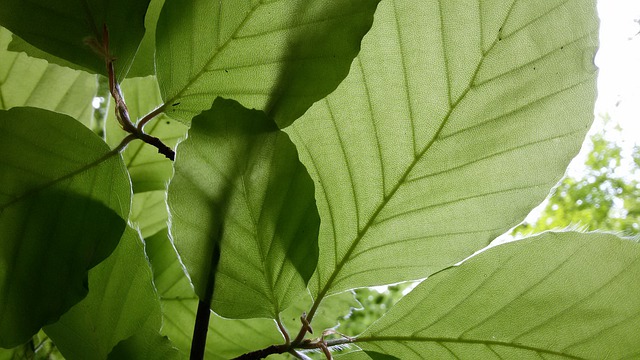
point(555, 296)
point(239, 187)
point(456, 119)
point(64, 27)
point(63, 200)
point(122, 302)
point(278, 56)
point(149, 170)
point(26, 81)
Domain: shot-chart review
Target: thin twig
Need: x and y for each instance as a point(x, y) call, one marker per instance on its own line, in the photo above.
point(283, 331)
point(157, 111)
point(121, 110)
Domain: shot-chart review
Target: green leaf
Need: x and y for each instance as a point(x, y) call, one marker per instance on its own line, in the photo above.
point(64, 197)
point(179, 303)
point(149, 170)
point(558, 296)
point(64, 27)
point(279, 56)
point(455, 121)
point(149, 212)
point(256, 205)
point(26, 81)
point(122, 302)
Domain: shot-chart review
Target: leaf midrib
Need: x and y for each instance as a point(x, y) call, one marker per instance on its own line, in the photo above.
point(374, 338)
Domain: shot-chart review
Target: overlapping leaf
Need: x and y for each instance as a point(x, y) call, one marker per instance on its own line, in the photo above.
point(239, 187)
point(26, 81)
point(456, 119)
point(63, 200)
point(64, 28)
point(149, 170)
point(122, 304)
point(278, 56)
point(555, 296)
point(226, 337)
point(179, 304)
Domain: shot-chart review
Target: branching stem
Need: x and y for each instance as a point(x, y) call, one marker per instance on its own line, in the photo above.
point(121, 110)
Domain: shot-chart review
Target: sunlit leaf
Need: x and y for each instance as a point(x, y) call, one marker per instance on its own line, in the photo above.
point(455, 121)
point(121, 303)
point(65, 27)
point(149, 212)
point(555, 296)
point(26, 81)
point(149, 170)
point(239, 187)
point(63, 200)
point(278, 56)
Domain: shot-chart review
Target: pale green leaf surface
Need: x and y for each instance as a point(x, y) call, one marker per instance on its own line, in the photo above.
point(149, 170)
point(238, 186)
point(121, 303)
point(554, 296)
point(149, 212)
point(63, 200)
point(277, 56)
point(455, 121)
point(26, 81)
point(63, 28)
point(226, 338)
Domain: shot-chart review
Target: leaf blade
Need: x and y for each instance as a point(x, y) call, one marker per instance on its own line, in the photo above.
point(539, 295)
point(424, 162)
point(64, 28)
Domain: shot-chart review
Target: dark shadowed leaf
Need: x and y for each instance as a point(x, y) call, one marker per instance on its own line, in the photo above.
point(64, 197)
point(64, 27)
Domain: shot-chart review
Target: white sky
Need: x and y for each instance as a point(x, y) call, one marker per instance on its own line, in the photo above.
point(619, 61)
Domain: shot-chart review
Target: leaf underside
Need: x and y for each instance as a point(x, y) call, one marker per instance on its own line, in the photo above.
point(554, 296)
point(455, 121)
